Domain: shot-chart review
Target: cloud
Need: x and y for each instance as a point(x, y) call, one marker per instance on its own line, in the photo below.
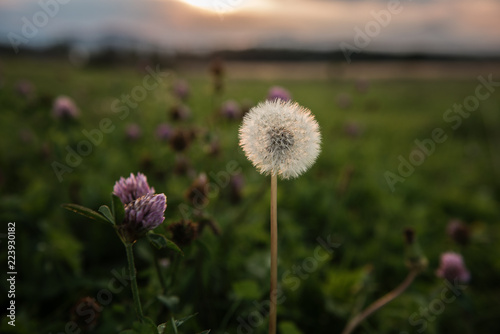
point(458, 26)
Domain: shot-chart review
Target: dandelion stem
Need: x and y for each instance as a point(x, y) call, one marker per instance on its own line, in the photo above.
point(274, 255)
point(381, 301)
point(133, 279)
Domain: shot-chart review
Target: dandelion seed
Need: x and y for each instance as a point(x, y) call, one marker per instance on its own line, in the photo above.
point(280, 138)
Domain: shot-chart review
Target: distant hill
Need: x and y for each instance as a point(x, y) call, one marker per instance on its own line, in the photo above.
point(117, 53)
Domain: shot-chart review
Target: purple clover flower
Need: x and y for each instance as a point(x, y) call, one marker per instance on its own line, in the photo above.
point(132, 188)
point(452, 267)
point(133, 131)
point(65, 108)
point(25, 88)
point(163, 132)
point(142, 215)
point(181, 89)
point(278, 92)
point(180, 112)
point(230, 110)
point(458, 231)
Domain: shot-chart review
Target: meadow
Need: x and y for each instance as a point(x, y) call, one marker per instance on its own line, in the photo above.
point(395, 154)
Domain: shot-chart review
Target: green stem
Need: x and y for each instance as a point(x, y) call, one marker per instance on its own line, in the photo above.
point(133, 279)
point(274, 255)
point(381, 302)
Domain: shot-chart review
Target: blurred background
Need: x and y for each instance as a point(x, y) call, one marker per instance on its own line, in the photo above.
point(407, 96)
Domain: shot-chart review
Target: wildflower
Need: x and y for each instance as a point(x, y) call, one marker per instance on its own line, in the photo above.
point(236, 184)
point(182, 165)
point(458, 231)
point(452, 267)
point(180, 113)
point(230, 110)
point(25, 88)
point(132, 188)
point(217, 70)
point(181, 139)
point(280, 138)
point(213, 148)
point(197, 193)
point(278, 93)
point(414, 257)
point(181, 89)
point(217, 67)
point(409, 235)
point(86, 306)
point(64, 108)
point(133, 131)
point(142, 215)
point(352, 129)
point(184, 232)
point(163, 132)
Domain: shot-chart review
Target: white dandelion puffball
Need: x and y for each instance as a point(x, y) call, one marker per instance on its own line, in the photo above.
point(280, 138)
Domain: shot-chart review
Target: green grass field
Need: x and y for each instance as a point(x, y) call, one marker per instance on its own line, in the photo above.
point(345, 198)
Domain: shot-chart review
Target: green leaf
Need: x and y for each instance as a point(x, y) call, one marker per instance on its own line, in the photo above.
point(171, 302)
point(86, 212)
point(150, 324)
point(170, 327)
point(179, 322)
point(104, 209)
point(288, 327)
point(146, 327)
point(160, 241)
point(117, 208)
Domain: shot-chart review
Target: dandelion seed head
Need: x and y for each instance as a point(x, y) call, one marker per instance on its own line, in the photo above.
point(280, 138)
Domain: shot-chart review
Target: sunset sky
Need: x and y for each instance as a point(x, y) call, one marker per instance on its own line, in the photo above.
point(443, 26)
